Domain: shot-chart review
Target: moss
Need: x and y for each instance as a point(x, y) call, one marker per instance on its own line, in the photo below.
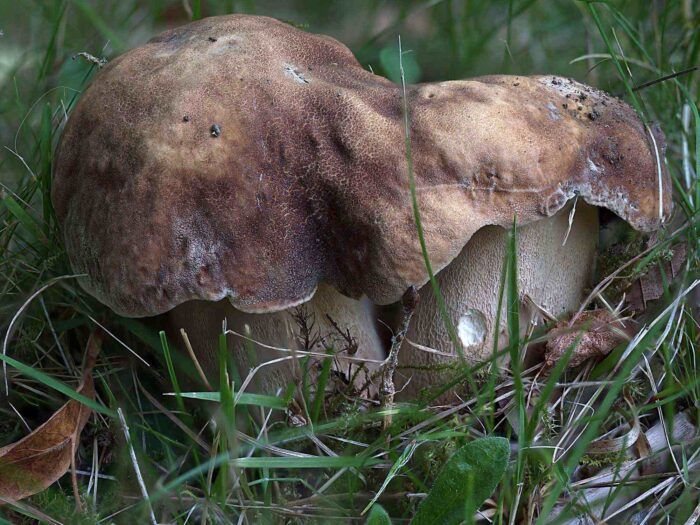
point(599, 461)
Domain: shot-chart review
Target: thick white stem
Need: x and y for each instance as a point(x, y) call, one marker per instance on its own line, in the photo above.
point(202, 320)
point(552, 273)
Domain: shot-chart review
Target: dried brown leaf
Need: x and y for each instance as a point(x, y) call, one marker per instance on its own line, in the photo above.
point(33, 463)
point(599, 331)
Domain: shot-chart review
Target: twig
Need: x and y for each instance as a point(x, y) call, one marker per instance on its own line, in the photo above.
point(122, 343)
point(409, 301)
point(350, 342)
point(74, 479)
point(297, 353)
point(665, 77)
point(99, 62)
point(307, 333)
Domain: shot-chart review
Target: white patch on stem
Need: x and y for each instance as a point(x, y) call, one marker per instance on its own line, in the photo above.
point(471, 328)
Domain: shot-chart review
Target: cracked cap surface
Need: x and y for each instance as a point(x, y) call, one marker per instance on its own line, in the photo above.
point(240, 157)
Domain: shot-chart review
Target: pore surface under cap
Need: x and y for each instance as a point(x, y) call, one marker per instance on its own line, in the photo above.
point(240, 157)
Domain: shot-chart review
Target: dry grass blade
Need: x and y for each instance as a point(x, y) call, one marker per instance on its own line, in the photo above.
point(135, 463)
point(595, 498)
point(35, 462)
point(628, 439)
point(18, 315)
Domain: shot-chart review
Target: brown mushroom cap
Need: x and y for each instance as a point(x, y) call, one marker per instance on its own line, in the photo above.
point(238, 156)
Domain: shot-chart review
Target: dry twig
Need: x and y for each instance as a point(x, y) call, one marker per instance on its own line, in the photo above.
point(409, 301)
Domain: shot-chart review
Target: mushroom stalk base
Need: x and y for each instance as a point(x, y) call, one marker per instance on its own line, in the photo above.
point(552, 273)
point(270, 344)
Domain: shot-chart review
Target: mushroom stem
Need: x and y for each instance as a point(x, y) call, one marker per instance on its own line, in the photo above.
point(356, 318)
point(256, 339)
point(552, 273)
point(203, 321)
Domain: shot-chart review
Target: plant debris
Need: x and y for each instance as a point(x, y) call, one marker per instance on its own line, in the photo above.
point(650, 286)
point(388, 389)
point(35, 462)
point(594, 333)
point(99, 62)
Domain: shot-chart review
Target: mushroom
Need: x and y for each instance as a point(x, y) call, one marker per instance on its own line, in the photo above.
point(544, 146)
point(237, 167)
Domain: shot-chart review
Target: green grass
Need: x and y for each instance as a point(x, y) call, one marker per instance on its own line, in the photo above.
point(209, 456)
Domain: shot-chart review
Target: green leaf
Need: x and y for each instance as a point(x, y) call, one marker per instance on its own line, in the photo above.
point(378, 516)
point(50, 382)
point(394, 471)
point(321, 386)
point(29, 222)
point(467, 479)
